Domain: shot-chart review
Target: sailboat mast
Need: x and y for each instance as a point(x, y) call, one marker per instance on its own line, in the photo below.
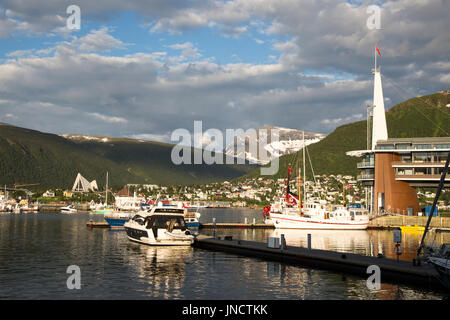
point(304, 167)
point(299, 192)
point(106, 189)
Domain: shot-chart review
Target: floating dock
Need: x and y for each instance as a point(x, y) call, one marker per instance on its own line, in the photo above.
point(237, 225)
point(93, 224)
point(424, 276)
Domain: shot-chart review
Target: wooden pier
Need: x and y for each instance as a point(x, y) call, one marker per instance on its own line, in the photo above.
point(392, 270)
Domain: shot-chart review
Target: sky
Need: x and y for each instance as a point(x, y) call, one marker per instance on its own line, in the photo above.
point(142, 69)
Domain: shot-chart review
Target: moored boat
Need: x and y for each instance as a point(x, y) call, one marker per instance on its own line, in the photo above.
point(161, 226)
point(192, 220)
point(28, 209)
point(289, 213)
point(441, 262)
point(117, 219)
point(69, 209)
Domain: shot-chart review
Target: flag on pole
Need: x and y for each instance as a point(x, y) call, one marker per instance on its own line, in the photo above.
point(376, 47)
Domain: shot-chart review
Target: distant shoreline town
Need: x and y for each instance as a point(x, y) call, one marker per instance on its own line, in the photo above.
point(246, 193)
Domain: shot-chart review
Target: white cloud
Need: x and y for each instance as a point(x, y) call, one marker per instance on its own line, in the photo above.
point(149, 93)
point(106, 118)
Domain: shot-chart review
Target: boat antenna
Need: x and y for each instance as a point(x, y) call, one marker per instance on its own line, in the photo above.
point(433, 207)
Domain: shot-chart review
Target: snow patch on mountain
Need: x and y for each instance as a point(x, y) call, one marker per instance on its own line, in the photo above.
point(289, 141)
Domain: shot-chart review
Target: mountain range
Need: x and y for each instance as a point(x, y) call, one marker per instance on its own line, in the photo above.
point(423, 116)
point(289, 141)
point(53, 161)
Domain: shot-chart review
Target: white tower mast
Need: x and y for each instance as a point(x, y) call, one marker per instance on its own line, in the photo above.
point(379, 127)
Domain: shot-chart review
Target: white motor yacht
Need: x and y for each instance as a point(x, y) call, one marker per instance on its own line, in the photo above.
point(161, 226)
point(69, 209)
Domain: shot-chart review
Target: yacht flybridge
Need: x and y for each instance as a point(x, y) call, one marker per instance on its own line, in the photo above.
point(161, 226)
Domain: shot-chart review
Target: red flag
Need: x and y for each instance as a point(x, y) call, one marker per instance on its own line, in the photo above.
point(376, 47)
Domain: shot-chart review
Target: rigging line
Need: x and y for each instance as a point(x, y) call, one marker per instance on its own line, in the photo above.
point(425, 102)
point(397, 88)
point(310, 163)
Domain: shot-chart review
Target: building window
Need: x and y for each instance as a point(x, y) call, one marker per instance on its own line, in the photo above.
point(385, 146)
point(441, 157)
point(407, 158)
point(442, 146)
point(423, 171)
point(422, 157)
point(405, 171)
point(422, 146)
point(440, 170)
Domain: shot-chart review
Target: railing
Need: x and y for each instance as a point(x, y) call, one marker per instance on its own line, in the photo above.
point(404, 220)
point(418, 164)
point(365, 177)
point(365, 164)
point(421, 176)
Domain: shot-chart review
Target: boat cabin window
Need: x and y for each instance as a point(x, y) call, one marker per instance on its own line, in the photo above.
point(139, 219)
point(164, 222)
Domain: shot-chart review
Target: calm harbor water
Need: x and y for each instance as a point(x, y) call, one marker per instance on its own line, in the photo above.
point(37, 249)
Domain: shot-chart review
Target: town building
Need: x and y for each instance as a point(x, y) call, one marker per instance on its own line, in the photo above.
point(391, 168)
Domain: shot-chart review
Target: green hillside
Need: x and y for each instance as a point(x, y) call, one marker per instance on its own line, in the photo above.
point(29, 156)
point(152, 163)
point(426, 116)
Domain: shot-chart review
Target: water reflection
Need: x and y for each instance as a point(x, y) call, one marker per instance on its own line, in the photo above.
point(35, 251)
point(161, 268)
point(355, 241)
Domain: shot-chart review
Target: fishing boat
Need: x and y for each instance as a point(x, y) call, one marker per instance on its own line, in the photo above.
point(318, 216)
point(117, 219)
point(192, 220)
point(161, 226)
point(69, 209)
point(103, 208)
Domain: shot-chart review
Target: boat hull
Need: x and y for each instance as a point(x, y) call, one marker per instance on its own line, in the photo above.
point(161, 242)
point(116, 223)
point(442, 266)
point(193, 225)
point(144, 237)
point(102, 211)
point(282, 221)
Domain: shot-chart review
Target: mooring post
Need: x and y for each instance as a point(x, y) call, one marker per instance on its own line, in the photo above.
point(254, 221)
point(283, 242)
point(214, 226)
point(309, 241)
point(245, 220)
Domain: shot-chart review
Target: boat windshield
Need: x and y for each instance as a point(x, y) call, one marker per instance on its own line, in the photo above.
point(165, 222)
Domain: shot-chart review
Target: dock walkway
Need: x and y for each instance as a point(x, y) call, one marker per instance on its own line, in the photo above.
point(424, 276)
point(237, 225)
